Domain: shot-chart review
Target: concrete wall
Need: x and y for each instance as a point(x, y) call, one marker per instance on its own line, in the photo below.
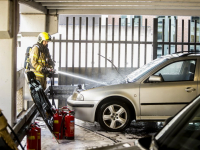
point(5, 25)
point(6, 76)
point(8, 40)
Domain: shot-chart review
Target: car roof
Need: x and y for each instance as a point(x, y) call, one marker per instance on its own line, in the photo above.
point(182, 54)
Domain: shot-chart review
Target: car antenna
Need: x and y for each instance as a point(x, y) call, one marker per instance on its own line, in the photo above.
point(112, 64)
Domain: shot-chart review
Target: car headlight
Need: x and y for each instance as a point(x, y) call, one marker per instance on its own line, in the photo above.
point(77, 96)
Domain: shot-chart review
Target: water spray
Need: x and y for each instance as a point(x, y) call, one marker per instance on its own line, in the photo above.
point(112, 65)
point(76, 76)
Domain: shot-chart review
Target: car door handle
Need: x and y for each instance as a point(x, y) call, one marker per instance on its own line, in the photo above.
point(189, 89)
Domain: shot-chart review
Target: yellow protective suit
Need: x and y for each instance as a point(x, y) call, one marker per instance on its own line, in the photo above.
point(4, 132)
point(38, 56)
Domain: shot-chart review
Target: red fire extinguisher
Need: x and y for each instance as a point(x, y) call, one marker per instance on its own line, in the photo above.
point(32, 138)
point(65, 110)
point(69, 125)
point(37, 127)
point(57, 128)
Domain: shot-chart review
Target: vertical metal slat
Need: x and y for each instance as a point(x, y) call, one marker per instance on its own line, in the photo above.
point(80, 31)
point(86, 46)
point(106, 34)
point(155, 37)
point(66, 58)
point(195, 34)
point(126, 23)
point(99, 61)
point(60, 37)
point(80, 24)
point(113, 32)
point(182, 35)
point(73, 45)
point(163, 36)
point(53, 54)
point(132, 45)
point(176, 35)
point(188, 34)
point(169, 36)
point(139, 43)
point(119, 45)
point(145, 46)
point(93, 32)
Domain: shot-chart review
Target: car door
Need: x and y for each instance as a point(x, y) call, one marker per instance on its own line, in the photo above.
point(159, 100)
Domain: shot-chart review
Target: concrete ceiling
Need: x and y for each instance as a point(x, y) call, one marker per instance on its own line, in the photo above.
point(129, 7)
point(27, 9)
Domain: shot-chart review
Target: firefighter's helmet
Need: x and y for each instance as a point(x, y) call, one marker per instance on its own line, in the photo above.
point(44, 36)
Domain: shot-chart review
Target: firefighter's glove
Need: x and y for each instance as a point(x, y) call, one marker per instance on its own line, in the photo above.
point(51, 72)
point(52, 63)
point(45, 70)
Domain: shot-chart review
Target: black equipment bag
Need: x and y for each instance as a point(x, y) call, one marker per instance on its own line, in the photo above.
point(41, 101)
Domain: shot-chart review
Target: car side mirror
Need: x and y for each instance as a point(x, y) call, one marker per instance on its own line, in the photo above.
point(155, 78)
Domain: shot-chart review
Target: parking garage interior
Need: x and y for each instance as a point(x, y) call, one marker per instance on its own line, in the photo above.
point(89, 39)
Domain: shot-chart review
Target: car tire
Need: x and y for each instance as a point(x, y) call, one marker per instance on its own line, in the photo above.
point(114, 116)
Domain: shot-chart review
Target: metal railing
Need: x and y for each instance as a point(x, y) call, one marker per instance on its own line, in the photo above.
point(132, 37)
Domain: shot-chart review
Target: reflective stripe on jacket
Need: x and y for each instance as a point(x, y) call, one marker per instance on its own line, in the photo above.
point(37, 60)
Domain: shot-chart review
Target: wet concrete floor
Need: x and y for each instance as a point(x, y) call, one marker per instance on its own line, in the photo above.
point(91, 135)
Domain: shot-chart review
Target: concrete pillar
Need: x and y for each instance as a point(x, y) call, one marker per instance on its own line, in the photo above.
point(32, 24)
point(52, 22)
point(8, 26)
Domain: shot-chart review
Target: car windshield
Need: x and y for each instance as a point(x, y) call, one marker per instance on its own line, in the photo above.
point(137, 74)
point(183, 131)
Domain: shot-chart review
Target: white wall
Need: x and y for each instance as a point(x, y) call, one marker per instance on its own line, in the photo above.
point(6, 82)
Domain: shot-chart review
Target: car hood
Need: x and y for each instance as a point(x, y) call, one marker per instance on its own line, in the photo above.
point(115, 81)
point(99, 93)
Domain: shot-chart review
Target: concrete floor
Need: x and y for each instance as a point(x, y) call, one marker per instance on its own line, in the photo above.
point(91, 135)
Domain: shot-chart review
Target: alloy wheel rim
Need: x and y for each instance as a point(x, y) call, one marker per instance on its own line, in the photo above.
point(114, 116)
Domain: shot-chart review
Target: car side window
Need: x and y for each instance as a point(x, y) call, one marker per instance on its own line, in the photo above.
point(178, 71)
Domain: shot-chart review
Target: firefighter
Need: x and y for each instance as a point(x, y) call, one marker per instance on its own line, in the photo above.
point(9, 143)
point(40, 59)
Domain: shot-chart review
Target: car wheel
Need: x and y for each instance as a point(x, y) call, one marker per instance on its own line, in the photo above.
point(114, 116)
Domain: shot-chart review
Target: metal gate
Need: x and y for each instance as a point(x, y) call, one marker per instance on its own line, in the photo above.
point(102, 66)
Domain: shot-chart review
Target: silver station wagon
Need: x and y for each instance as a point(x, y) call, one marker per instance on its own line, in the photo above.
point(155, 91)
